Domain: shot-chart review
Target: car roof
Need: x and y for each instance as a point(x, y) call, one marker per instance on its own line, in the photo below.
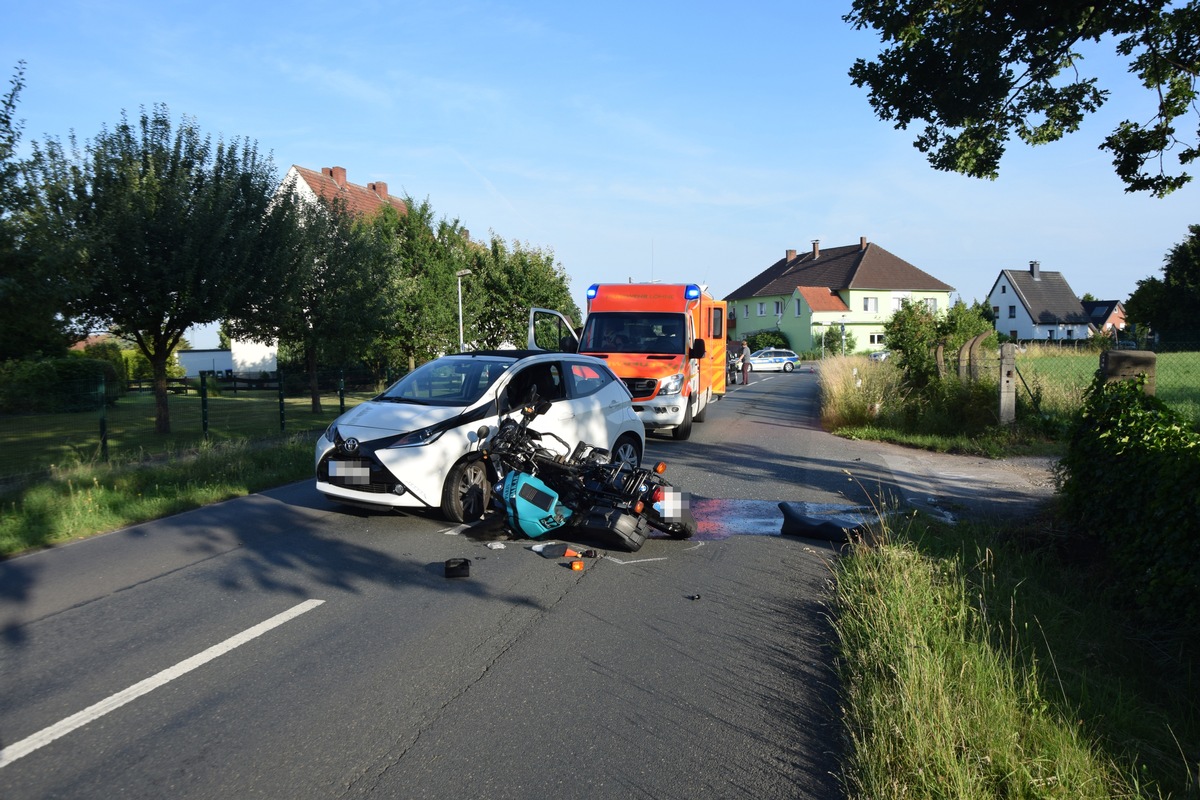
point(526, 355)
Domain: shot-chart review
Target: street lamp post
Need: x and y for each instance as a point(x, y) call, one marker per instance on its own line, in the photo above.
point(460, 274)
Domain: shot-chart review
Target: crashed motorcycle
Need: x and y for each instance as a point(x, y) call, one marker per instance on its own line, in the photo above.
point(543, 490)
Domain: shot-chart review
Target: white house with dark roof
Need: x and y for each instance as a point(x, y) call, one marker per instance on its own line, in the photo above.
point(1037, 305)
point(858, 286)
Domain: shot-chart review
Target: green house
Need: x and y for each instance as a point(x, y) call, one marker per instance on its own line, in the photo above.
point(858, 286)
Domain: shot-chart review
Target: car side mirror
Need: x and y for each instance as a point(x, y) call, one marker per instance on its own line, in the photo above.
point(697, 349)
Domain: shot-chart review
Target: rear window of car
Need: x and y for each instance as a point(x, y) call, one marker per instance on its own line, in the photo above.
point(587, 379)
point(447, 382)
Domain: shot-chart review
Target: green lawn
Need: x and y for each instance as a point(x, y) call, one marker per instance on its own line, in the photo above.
point(1060, 377)
point(32, 443)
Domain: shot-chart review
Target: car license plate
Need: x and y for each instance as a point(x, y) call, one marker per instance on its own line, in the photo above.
point(351, 471)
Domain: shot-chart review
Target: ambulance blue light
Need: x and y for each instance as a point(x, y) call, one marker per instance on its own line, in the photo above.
point(691, 292)
point(591, 292)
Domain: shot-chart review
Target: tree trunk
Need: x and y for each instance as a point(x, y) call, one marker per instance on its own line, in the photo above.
point(162, 412)
point(314, 388)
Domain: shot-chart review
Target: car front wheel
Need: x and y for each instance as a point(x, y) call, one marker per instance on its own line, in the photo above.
point(788, 366)
point(627, 451)
point(467, 492)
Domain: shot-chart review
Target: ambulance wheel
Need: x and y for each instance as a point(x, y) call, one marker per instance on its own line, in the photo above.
point(684, 430)
point(466, 494)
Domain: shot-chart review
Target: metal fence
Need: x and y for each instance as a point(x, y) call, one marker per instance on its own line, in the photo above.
point(1054, 378)
point(102, 424)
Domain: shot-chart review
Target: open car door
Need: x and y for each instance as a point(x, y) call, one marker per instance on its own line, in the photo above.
point(551, 331)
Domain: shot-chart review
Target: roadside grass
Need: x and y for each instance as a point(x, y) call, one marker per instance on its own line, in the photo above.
point(980, 663)
point(85, 499)
point(865, 399)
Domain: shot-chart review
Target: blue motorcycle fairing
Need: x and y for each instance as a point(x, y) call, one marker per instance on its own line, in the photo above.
point(532, 507)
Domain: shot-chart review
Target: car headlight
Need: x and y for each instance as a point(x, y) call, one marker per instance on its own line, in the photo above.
point(331, 432)
point(671, 385)
point(419, 437)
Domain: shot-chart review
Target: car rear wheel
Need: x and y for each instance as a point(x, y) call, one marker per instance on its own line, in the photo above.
point(788, 366)
point(627, 451)
point(467, 492)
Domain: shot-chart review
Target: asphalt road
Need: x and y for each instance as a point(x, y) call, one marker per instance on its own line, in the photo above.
point(279, 646)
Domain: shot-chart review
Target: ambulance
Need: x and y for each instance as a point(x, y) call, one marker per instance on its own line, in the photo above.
point(666, 342)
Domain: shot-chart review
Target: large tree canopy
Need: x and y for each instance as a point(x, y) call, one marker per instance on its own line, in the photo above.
point(165, 229)
point(32, 292)
point(1170, 305)
point(334, 294)
point(978, 72)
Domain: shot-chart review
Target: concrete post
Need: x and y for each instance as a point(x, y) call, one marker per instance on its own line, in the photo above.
point(1124, 365)
point(1008, 383)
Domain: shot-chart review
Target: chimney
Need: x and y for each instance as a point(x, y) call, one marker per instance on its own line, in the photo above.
point(862, 243)
point(816, 249)
point(1035, 269)
point(338, 174)
point(379, 188)
point(788, 255)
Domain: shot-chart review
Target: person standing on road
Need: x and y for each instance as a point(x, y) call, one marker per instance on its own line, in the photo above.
point(745, 362)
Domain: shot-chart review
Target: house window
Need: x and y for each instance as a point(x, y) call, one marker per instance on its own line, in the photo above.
point(1070, 333)
point(1012, 312)
point(779, 308)
point(745, 312)
point(1003, 289)
point(996, 312)
point(797, 306)
point(762, 309)
point(1050, 335)
point(1012, 335)
point(931, 304)
point(871, 304)
point(877, 339)
point(897, 303)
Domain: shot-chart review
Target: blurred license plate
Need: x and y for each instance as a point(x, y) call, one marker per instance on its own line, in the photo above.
point(350, 471)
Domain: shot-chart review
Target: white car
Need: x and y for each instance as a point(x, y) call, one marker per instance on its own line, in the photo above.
point(416, 445)
point(773, 359)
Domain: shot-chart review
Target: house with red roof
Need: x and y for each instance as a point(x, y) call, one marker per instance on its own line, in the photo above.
point(330, 184)
point(856, 286)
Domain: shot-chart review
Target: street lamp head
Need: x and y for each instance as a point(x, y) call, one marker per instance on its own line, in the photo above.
point(462, 273)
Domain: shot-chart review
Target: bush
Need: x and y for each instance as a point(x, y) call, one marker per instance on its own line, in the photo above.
point(53, 385)
point(1131, 478)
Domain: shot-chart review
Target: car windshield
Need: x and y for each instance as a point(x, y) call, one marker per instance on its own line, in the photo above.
point(451, 381)
point(621, 332)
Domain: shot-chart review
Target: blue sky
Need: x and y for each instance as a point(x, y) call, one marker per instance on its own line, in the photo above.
point(655, 141)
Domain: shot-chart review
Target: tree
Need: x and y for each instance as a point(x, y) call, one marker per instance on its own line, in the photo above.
point(511, 280)
point(832, 339)
point(32, 294)
point(962, 323)
point(1171, 305)
point(425, 255)
point(335, 293)
point(165, 230)
point(911, 334)
point(979, 72)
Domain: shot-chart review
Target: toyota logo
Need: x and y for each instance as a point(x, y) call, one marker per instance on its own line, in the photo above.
point(350, 445)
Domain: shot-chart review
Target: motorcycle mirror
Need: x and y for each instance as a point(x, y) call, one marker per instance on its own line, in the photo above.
point(543, 407)
point(483, 432)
